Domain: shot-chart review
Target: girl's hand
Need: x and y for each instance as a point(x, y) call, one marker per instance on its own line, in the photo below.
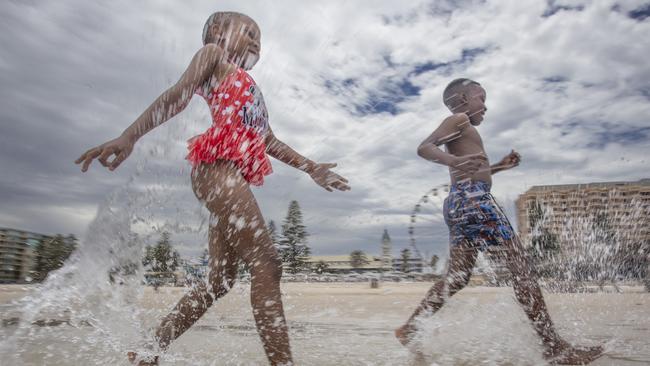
point(121, 147)
point(324, 177)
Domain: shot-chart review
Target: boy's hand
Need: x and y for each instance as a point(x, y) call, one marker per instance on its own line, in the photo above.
point(470, 163)
point(510, 161)
point(121, 147)
point(324, 177)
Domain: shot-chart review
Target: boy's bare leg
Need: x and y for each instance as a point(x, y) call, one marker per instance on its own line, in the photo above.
point(242, 224)
point(529, 295)
point(461, 262)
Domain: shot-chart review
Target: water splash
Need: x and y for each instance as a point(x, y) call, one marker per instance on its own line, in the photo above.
point(91, 308)
point(605, 244)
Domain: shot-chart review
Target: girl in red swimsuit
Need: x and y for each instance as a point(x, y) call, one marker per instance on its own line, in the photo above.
point(240, 123)
point(226, 159)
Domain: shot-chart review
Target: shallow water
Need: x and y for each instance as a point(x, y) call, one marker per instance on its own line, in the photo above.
point(350, 324)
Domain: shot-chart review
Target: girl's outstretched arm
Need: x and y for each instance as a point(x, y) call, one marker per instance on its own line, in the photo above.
point(319, 172)
point(171, 102)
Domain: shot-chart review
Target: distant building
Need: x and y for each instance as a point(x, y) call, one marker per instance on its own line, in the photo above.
point(18, 254)
point(416, 265)
point(343, 264)
point(627, 204)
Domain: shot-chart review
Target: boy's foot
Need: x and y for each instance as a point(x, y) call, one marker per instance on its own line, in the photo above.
point(574, 355)
point(142, 360)
point(404, 334)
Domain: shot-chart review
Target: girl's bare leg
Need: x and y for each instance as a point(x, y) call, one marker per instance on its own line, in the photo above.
point(461, 262)
point(223, 272)
point(222, 275)
point(242, 226)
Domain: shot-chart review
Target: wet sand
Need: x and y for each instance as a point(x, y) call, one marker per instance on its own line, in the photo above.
point(352, 324)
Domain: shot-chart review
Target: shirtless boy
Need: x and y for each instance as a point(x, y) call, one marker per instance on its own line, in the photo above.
point(476, 222)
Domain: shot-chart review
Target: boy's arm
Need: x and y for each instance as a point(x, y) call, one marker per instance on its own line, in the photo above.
point(509, 161)
point(449, 130)
point(319, 172)
point(167, 105)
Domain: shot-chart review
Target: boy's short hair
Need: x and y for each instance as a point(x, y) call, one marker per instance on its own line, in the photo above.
point(220, 17)
point(454, 88)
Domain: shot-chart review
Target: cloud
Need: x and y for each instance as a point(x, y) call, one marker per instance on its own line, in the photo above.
point(567, 86)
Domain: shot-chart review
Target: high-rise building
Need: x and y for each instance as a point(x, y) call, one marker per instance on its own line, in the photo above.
point(17, 254)
point(562, 208)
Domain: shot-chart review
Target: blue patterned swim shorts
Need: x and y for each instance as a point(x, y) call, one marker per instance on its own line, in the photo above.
point(473, 216)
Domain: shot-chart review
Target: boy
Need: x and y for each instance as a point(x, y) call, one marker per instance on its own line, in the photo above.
point(476, 221)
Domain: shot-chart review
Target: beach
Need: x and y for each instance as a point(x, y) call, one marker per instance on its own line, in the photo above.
point(352, 324)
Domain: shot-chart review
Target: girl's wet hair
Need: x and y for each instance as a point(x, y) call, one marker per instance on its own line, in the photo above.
point(221, 18)
point(454, 88)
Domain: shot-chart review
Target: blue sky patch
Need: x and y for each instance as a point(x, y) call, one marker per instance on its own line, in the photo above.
point(427, 66)
point(387, 98)
point(392, 91)
point(552, 8)
point(555, 79)
point(640, 13)
point(467, 55)
point(645, 92)
point(625, 137)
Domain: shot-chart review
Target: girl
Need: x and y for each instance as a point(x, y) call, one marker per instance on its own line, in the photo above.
point(226, 159)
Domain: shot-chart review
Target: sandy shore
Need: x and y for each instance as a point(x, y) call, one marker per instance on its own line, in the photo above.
point(352, 324)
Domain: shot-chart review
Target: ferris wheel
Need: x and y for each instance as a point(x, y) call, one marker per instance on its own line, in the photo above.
point(426, 219)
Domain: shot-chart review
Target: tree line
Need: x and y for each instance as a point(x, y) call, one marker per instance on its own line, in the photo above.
point(51, 253)
point(291, 243)
point(358, 259)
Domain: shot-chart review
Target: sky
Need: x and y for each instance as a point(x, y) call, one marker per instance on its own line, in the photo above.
point(357, 83)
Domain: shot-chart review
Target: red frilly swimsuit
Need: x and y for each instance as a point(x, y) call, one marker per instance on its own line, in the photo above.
point(239, 124)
